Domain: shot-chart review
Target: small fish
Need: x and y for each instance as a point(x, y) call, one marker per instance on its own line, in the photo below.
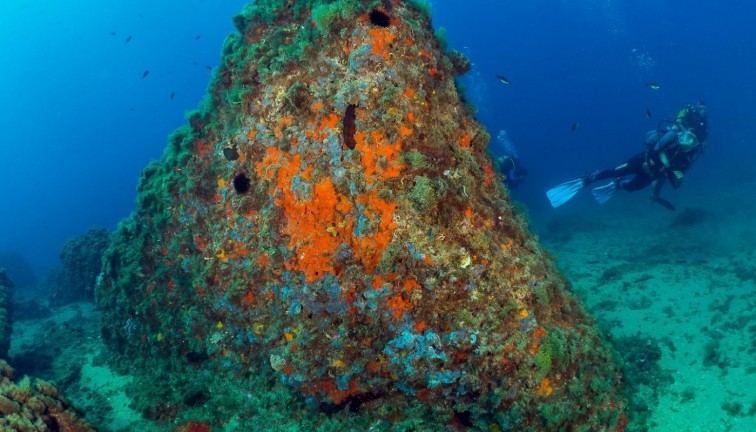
point(144, 75)
point(574, 127)
point(209, 67)
point(502, 79)
point(128, 39)
point(173, 94)
point(112, 33)
point(198, 36)
point(648, 114)
point(653, 86)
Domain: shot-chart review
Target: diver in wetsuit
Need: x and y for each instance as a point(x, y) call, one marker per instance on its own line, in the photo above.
point(507, 162)
point(669, 152)
point(511, 169)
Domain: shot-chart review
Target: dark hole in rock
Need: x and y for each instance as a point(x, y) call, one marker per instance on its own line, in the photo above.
point(196, 357)
point(351, 403)
point(242, 183)
point(464, 418)
point(231, 153)
point(379, 18)
point(348, 126)
point(196, 399)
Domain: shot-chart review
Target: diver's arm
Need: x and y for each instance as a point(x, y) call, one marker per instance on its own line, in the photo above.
point(666, 139)
point(657, 185)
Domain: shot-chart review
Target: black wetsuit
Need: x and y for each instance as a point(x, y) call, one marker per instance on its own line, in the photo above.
point(664, 159)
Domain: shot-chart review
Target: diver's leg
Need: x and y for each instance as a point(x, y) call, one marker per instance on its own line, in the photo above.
point(638, 182)
point(631, 166)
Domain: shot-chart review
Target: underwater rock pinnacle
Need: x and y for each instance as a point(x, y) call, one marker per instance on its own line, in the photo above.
point(326, 245)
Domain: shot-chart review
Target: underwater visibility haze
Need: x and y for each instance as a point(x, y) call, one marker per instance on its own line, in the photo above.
point(336, 217)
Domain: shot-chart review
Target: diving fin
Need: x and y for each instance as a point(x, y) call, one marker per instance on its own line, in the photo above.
point(602, 194)
point(559, 195)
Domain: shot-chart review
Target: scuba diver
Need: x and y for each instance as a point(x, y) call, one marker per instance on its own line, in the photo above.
point(669, 151)
point(511, 169)
point(508, 163)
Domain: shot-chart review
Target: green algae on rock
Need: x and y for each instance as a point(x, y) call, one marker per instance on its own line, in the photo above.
point(375, 278)
point(82, 258)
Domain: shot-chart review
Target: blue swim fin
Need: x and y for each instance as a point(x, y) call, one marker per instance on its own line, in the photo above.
point(559, 195)
point(602, 194)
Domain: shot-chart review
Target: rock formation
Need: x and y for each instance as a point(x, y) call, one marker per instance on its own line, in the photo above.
point(30, 405)
point(82, 259)
point(33, 405)
point(326, 245)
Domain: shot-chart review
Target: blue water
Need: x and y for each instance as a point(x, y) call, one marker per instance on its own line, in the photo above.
point(79, 122)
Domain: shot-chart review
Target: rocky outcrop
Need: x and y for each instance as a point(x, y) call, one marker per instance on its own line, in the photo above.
point(328, 237)
point(82, 260)
point(33, 405)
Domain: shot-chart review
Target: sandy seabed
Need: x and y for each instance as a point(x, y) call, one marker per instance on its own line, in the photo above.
point(684, 279)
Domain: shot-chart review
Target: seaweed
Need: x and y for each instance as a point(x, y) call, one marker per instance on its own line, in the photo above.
point(326, 16)
point(643, 376)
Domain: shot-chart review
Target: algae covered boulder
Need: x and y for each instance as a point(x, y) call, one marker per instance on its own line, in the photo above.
point(35, 405)
point(327, 246)
point(82, 259)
